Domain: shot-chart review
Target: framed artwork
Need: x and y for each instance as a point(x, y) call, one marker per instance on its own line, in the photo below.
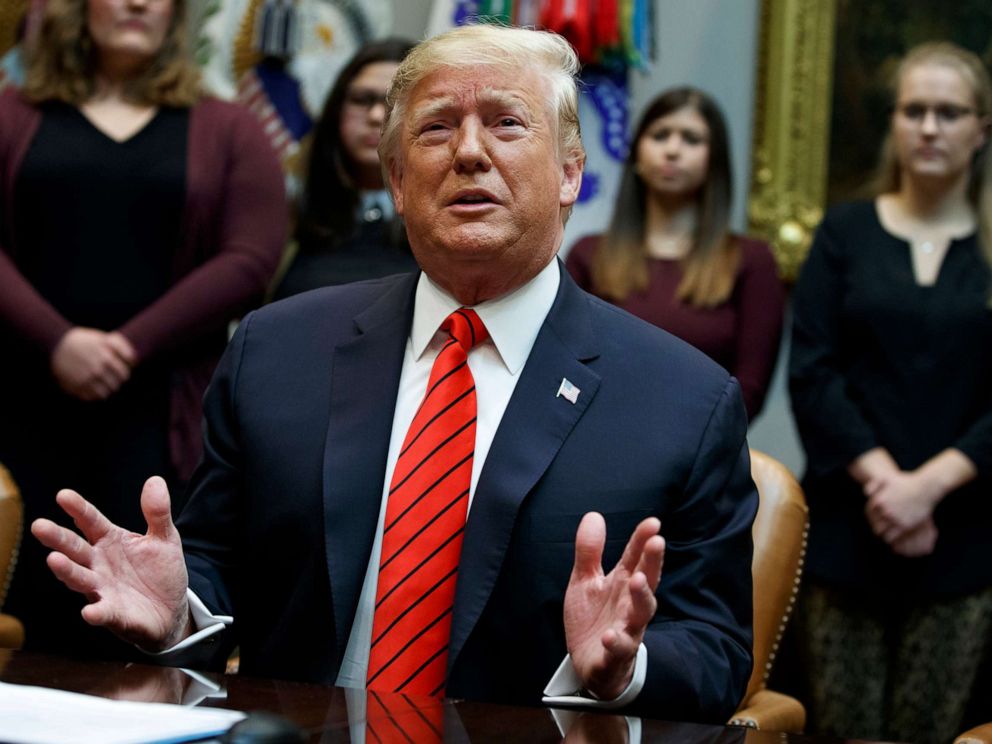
point(791, 126)
point(11, 13)
point(823, 103)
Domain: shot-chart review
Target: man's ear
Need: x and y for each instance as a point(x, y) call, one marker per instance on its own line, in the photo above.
point(571, 178)
point(396, 185)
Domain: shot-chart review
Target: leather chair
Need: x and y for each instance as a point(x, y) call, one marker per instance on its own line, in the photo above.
point(779, 534)
point(11, 517)
point(978, 735)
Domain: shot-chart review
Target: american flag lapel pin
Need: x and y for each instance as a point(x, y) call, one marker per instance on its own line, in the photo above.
point(568, 391)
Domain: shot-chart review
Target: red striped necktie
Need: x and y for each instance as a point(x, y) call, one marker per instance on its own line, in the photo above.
point(425, 522)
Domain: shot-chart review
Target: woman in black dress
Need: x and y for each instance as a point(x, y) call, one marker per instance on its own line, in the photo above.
point(138, 217)
point(891, 383)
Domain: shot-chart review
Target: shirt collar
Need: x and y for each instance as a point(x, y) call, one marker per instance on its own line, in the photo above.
point(513, 320)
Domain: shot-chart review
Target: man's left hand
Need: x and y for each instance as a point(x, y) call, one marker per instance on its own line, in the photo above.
point(606, 614)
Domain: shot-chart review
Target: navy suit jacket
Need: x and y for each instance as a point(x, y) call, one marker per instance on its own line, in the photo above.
point(283, 510)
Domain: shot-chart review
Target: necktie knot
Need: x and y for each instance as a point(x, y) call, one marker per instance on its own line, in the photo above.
point(465, 327)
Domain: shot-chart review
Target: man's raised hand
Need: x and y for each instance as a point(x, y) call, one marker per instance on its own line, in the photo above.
point(606, 614)
point(135, 584)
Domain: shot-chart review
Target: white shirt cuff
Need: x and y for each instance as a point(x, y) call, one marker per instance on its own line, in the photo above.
point(205, 623)
point(565, 687)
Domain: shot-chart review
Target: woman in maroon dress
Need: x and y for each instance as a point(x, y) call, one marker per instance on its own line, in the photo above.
point(669, 257)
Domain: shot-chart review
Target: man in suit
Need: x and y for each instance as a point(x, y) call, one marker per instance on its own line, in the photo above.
point(583, 427)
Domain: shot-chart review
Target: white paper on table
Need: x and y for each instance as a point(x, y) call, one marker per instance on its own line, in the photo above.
point(38, 715)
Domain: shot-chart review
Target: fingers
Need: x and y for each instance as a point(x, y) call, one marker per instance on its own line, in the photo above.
point(875, 509)
point(98, 614)
point(878, 518)
point(643, 532)
point(876, 523)
point(872, 486)
point(87, 517)
point(112, 367)
point(917, 542)
point(620, 647)
point(910, 548)
point(643, 604)
point(157, 508)
point(652, 559)
point(642, 584)
point(123, 348)
point(97, 390)
point(884, 528)
point(63, 540)
point(74, 576)
point(589, 541)
point(892, 534)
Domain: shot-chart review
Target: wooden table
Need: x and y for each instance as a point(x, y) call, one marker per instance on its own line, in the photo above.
point(323, 712)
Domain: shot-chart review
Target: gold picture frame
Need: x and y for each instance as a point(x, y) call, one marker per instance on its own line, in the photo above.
point(791, 136)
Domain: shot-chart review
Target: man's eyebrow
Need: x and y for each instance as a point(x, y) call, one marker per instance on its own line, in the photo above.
point(433, 107)
point(502, 98)
point(487, 97)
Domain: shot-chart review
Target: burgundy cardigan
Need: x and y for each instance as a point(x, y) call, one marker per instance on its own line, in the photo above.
point(233, 232)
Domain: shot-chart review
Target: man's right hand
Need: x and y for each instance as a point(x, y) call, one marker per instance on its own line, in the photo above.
point(135, 584)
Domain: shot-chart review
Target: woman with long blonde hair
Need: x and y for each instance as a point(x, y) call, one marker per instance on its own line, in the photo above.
point(138, 217)
point(891, 383)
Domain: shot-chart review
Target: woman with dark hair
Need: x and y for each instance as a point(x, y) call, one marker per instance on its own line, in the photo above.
point(891, 382)
point(669, 256)
point(137, 218)
point(346, 230)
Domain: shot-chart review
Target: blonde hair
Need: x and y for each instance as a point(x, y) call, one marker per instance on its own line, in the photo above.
point(969, 66)
point(499, 47)
point(61, 63)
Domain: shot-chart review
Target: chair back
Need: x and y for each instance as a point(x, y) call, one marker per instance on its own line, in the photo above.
point(11, 517)
point(779, 534)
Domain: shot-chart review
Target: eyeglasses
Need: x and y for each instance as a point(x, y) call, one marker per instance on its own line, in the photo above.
point(364, 99)
point(945, 113)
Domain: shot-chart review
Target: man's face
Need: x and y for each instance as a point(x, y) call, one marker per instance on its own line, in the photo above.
point(479, 180)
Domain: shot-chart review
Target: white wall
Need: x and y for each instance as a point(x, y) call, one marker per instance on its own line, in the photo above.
point(410, 18)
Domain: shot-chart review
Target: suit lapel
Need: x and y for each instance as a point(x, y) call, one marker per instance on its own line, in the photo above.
point(365, 376)
point(533, 428)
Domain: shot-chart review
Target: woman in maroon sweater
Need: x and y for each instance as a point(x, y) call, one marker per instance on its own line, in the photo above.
point(137, 218)
point(668, 256)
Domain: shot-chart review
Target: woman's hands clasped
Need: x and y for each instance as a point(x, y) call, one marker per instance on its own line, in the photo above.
point(901, 503)
point(90, 364)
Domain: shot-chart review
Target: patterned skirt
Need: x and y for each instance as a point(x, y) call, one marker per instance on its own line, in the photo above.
point(912, 670)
